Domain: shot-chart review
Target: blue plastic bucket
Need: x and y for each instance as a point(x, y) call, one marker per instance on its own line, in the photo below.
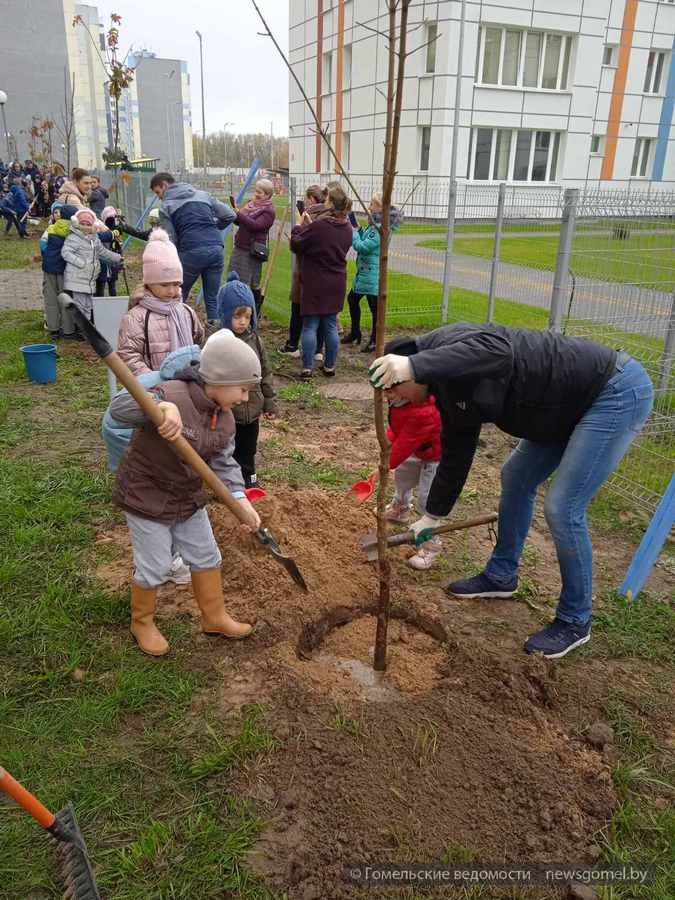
point(40, 362)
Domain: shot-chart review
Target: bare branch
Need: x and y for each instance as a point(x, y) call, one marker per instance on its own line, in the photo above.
point(422, 46)
point(373, 30)
point(268, 33)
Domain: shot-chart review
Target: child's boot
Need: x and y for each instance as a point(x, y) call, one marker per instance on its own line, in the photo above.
point(397, 512)
point(208, 591)
point(148, 636)
point(426, 554)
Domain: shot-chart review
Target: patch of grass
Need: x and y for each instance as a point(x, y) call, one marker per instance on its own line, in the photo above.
point(297, 470)
point(16, 252)
point(253, 738)
point(357, 728)
point(631, 734)
point(426, 742)
point(644, 629)
point(305, 394)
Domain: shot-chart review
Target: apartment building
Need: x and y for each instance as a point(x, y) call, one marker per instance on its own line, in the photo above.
point(574, 93)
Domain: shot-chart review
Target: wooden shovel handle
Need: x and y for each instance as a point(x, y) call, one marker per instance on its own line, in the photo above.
point(25, 799)
point(407, 537)
point(185, 450)
point(270, 264)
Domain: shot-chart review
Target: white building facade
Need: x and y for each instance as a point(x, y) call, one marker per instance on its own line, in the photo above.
point(577, 93)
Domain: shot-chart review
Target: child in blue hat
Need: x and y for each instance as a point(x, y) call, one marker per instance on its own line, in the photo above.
point(236, 310)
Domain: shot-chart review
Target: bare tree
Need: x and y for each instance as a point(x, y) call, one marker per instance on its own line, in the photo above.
point(65, 126)
point(396, 38)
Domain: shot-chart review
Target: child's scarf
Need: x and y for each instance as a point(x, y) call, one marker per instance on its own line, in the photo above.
point(180, 319)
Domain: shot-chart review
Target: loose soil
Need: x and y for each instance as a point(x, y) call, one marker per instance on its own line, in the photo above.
point(456, 746)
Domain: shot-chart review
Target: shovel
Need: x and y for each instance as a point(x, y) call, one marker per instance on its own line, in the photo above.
point(363, 489)
point(187, 453)
point(76, 871)
point(369, 543)
point(270, 264)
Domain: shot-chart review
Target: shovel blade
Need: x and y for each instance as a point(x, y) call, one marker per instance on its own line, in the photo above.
point(362, 490)
point(265, 537)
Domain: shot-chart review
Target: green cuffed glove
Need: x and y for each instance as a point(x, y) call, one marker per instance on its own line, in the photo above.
point(422, 528)
point(389, 370)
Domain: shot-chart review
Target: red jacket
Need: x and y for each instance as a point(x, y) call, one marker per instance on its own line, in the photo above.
point(414, 428)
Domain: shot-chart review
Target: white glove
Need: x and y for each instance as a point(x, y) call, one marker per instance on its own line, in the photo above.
point(425, 522)
point(390, 369)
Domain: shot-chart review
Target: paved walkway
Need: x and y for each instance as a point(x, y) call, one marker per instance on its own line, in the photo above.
point(627, 306)
point(20, 288)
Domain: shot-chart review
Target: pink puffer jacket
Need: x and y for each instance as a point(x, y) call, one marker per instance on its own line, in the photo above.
point(144, 341)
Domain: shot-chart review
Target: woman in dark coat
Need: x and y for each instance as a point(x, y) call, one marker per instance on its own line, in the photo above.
point(254, 221)
point(321, 247)
point(575, 405)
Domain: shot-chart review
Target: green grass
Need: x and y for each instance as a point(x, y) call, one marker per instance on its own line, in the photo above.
point(17, 253)
point(644, 261)
point(644, 629)
point(253, 738)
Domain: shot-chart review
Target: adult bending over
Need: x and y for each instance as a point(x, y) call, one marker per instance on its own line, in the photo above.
point(250, 242)
point(193, 220)
point(322, 246)
point(575, 404)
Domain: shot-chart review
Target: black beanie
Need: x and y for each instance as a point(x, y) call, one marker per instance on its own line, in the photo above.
point(68, 211)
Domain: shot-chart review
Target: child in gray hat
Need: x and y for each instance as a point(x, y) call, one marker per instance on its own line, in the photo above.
point(164, 499)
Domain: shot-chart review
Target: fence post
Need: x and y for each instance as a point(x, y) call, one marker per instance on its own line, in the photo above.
point(292, 197)
point(668, 351)
point(495, 253)
point(452, 211)
point(562, 266)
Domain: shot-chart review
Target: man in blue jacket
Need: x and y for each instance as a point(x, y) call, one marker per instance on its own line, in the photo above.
point(194, 220)
point(19, 205)
point(575, 405)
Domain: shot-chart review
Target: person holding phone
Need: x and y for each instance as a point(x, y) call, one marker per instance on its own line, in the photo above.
point(249, 251)
point(366, 243)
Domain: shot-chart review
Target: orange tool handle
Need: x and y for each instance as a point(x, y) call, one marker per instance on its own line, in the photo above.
point(24, 798)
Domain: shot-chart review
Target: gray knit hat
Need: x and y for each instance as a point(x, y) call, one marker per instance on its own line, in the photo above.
point(227, 360)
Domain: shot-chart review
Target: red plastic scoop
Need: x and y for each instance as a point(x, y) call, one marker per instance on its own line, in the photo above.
point(253, 494)
point(363, 489)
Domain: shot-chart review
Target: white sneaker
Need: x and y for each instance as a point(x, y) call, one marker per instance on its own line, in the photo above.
point(396, 512)
point(179, 573)
point(318, 357)
point(425, 556)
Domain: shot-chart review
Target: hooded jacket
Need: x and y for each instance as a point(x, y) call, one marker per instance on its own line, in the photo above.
point(115, 436)
point(19, 202)
point(414, 429)
point(261, 399)
point(70, 193)
point(152, 480)
point(322, 247)
point(51, 245)
point(144, 339)
point(535, 385)
point(366, 243)
point(193, 218)
point(82, 252)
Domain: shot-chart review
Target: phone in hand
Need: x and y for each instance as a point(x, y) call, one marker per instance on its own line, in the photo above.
point(232, 203)
point(352, 219)
point(300, 205)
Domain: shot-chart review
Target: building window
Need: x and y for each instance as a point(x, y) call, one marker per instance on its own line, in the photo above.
point(346, 149)
point(348, 67)
point(327, 74)
point(425, 146)
point(609, 55)
point(643, 148)
point(431, 33)
point(501, 154)
point(327, 161)
point(531, 59)
point(655, 62)
point(597, 143)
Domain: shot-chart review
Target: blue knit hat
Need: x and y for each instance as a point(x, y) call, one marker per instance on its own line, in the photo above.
point(232, 294)
point(68, 211)
point(57, 204)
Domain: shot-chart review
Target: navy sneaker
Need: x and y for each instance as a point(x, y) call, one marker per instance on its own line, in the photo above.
point(558, 638)
point(481, 586)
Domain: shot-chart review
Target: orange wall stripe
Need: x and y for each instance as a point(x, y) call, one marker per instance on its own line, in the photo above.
point(319, 72)
point(618, 90)
point(338, 83)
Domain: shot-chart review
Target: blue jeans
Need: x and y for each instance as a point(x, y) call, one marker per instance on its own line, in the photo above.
point(583, 463)
point(206, 262)
point(310, 326)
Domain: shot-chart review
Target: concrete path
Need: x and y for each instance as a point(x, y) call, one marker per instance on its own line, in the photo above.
point(20, 289)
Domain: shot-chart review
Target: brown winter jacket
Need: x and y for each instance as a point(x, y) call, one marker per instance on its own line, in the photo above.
point(260, 399)
point(322, 248)
point(152, 481)
point(71, 195)
point(144, 340)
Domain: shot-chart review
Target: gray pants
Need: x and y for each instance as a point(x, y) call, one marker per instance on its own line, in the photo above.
point(414, 473)
point(56, 318)
point(154, 544)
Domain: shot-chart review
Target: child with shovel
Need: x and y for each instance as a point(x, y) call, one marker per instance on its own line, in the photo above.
point(164, 499)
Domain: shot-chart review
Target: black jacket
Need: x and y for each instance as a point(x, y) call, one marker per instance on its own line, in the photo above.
point(98, 200)
point(532, 384)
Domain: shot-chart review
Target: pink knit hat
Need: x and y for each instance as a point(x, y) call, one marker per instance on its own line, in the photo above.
point(160, 260)
point(109, 212)
point(83, 214)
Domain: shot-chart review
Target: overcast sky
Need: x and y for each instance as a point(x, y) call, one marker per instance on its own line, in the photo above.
point(245, 79)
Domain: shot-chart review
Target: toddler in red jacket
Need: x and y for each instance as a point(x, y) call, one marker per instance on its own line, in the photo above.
point(415, 435)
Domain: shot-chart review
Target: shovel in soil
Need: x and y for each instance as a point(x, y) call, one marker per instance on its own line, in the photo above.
point(77, 874)
point(187, 453)
point(369, 543)
point(363, 489)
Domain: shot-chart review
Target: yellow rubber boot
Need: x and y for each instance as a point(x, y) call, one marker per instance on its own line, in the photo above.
point(148, 636)
point(208, 591)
